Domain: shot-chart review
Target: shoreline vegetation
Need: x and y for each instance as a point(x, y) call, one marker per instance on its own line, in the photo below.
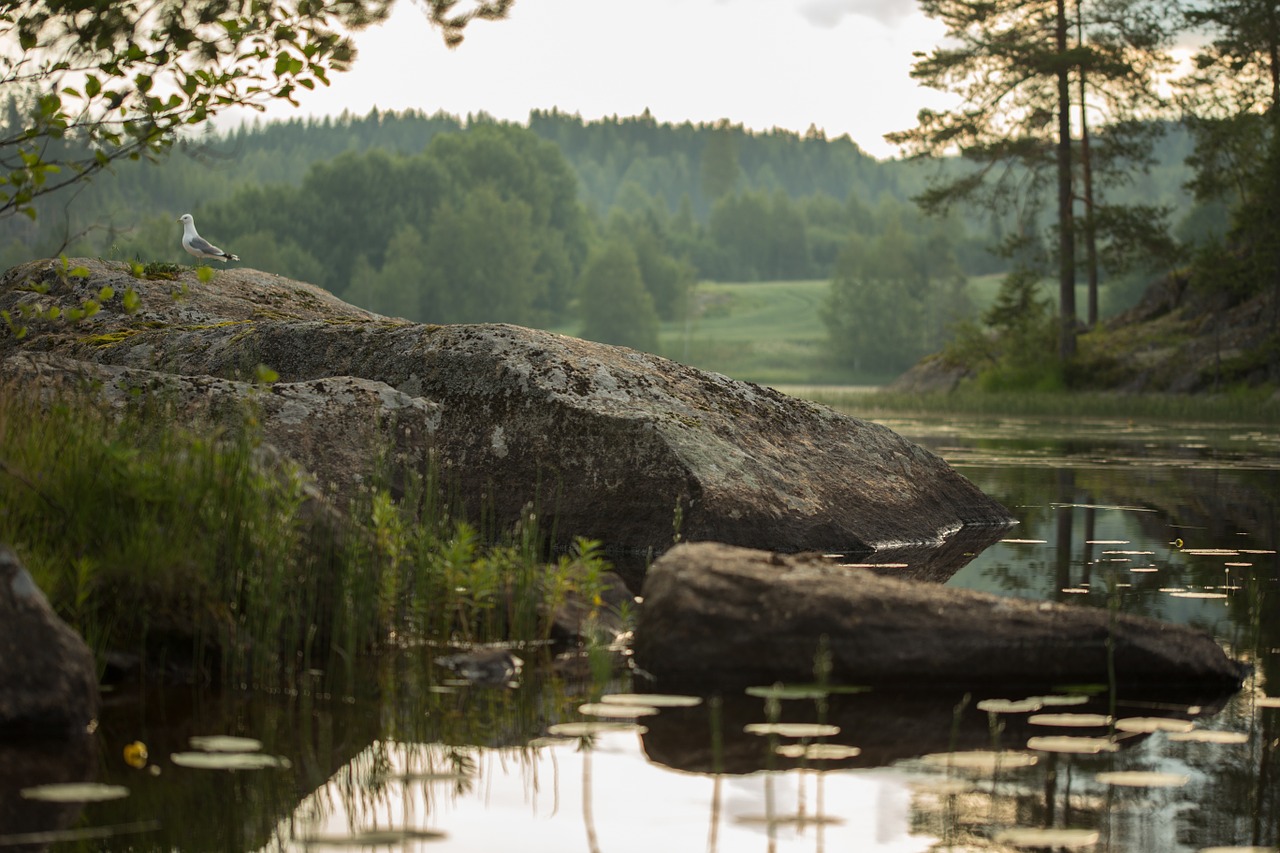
point(1255, 406)
point(206, 560)
point(202, 558)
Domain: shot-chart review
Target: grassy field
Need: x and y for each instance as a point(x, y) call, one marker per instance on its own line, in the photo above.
point(767, 332)
point(771, 332)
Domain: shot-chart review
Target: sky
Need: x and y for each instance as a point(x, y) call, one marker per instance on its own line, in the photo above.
point(842, 65)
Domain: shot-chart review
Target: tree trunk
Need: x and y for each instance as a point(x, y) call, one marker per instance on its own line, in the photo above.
point(1066, 230)
point(1086, 174)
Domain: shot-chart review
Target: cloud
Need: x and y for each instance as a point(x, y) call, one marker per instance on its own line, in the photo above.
point(829, 13)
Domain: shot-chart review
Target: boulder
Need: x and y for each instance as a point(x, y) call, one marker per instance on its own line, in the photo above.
point(717, 617)
point(600, 441)
point(49, 678)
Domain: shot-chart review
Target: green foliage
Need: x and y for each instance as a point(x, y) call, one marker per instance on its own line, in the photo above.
point(480, 261)
point(1014, 347)
point(91, 85)
point(191, 548)
point(616, 308)
point(893, 299)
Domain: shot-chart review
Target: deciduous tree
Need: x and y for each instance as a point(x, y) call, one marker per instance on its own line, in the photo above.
point(95, 81)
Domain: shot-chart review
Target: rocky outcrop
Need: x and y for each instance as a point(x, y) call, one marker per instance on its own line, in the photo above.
point(1178, 339)
point(600, 441)
point(48, 678)
point(722, 618)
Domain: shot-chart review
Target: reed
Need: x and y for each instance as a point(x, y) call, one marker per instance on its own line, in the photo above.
point(206, 552)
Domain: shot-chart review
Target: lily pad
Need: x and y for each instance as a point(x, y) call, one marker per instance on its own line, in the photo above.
point(818, 751)
point(1210, 736)
point(1051, 837)
point(1147, 725)
point(372, 838)
point(1082, 721)
point(592, 727)
point(792, 729)
point(1010, 706)
point(1073, 745)
point(616, 709)
point(1143, 779)
point(981, 759)
point(653, 700)
point(75, 792)
point(228, 760)
point(224, 743)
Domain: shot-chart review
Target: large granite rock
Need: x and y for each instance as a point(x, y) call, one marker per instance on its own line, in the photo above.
point(601, 441)
point(717, 617)
point(48, 678)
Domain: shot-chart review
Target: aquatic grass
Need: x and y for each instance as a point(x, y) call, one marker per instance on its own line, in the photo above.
point(208, 552)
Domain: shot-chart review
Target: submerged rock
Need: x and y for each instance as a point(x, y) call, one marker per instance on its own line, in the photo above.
point(599, 441)
point(48, 679)
point(722, 618)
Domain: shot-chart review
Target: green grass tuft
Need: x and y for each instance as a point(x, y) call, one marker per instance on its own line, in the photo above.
point(192, 549)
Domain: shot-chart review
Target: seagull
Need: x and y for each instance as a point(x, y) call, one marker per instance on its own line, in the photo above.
point(199, 246)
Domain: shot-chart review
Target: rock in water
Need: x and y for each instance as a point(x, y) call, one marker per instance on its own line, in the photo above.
point(721, 618)
point(601, 441)
point(48, 676)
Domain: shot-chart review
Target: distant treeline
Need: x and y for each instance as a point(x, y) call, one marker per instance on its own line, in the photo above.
point(601, 225)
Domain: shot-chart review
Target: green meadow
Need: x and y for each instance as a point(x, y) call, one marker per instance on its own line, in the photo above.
point(770, 332)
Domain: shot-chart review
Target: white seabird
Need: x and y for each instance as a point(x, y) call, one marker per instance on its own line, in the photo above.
point(199, 246)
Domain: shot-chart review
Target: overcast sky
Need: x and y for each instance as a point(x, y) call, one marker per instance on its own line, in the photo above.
point(842, 65)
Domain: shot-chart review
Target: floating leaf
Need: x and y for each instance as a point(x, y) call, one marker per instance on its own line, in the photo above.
point(818, 751)
point(224, 743)
point(792, 729)
point(980, 759)
point(616, 709)
point(1083, 721)
point(75, 792)
point(789, 691)
point(592, 727)
point(1010, 706)
point(1073, 745)
point(1147, 725)
point(1051, 837)
point(1143, 779)
point(228, 760)
point(1210, 736)
point(372, 838)
point(653, 700)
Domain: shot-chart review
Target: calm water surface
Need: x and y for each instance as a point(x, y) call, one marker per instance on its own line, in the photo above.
point(1174, 522)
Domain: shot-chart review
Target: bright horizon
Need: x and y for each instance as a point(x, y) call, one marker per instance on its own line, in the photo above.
point(840, 65)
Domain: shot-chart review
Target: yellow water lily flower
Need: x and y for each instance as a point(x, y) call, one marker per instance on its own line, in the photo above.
point(135, 754)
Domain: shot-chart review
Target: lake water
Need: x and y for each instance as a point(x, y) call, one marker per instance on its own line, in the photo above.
point(1177, 522)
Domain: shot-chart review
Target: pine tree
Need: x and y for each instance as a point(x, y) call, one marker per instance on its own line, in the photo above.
point(1012, 63)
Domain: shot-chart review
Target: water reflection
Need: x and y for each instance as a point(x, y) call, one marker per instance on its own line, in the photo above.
point(568, 795)
point(1181, 525)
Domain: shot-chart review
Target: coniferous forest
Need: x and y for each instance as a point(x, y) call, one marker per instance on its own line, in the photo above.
point(601, 228)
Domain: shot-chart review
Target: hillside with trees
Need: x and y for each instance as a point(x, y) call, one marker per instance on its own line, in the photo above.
point(442, 219)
